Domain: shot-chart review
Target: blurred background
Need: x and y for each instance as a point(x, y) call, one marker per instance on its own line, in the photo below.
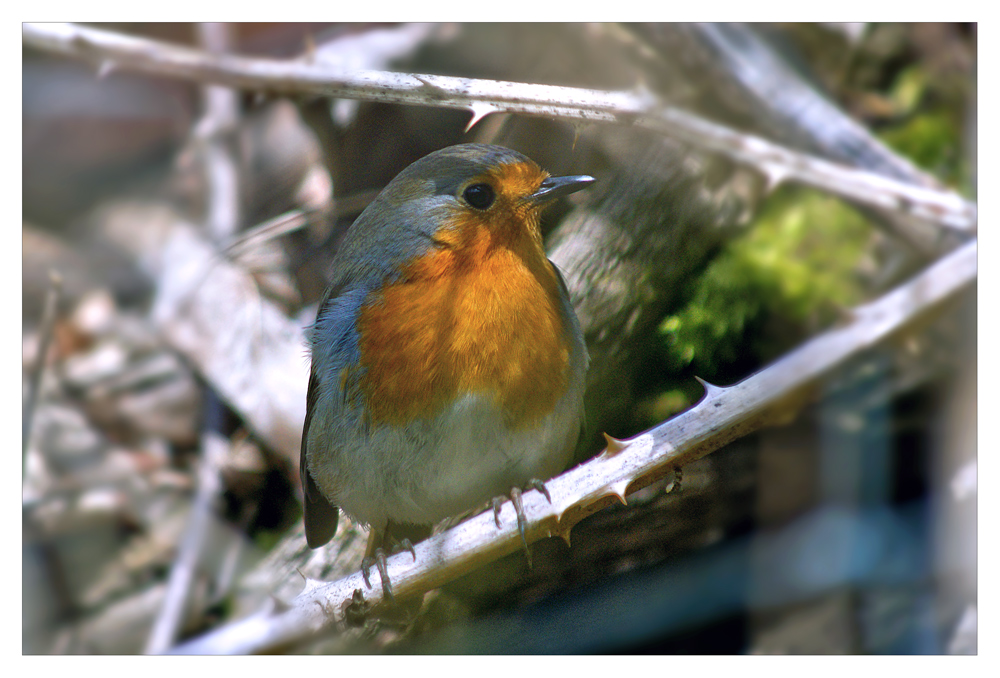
point(851, 529)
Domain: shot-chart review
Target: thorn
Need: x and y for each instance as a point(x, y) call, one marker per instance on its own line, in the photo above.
point(615, 446)
point(711, 390)
point(311, 585)
point(773, 175)
point(427, 84)
point(106, 68)
point(479, 111)
point(618, 489)
point(576, 135)
point(565, 534)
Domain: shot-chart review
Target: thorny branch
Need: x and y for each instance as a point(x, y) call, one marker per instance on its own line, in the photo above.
point(579, 106)
point(724, 414)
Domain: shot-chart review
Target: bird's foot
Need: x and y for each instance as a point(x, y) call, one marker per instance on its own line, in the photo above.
point(378, 559)
point(522, 520)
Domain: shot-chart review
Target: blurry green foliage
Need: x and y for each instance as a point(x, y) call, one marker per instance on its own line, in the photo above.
point(932, 141)
point(929, 114)
point(797, 263)
point(928, 129)
point(908, 90)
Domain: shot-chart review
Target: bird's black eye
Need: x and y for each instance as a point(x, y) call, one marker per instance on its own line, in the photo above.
point(479, 196)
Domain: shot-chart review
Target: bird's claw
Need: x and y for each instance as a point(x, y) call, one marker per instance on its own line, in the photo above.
point(497, 504)
point(536, 484)
point(378, 560)
point(407, 545)
point(522, 520)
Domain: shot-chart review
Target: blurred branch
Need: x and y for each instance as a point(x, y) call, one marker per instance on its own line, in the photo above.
point(214, 448)
point(283, 224)
point(220, 118)
point(724, 414)
point(45, 332)
point(580, 106)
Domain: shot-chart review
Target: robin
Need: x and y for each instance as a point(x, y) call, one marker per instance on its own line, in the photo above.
point(447, 361)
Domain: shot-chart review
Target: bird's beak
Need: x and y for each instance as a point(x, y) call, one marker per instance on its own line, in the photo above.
point(556, 187)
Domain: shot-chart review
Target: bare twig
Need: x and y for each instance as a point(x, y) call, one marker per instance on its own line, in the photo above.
point(220, 118)
point(481, 97)
point(722, 415)
point(266, 231)
point(45, 331)
point(168, 622)
point(291, 221)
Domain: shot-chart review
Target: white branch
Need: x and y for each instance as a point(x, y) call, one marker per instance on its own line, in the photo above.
point(641, 109)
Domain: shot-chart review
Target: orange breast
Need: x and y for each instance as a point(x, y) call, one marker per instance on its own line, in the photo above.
point(480, 315)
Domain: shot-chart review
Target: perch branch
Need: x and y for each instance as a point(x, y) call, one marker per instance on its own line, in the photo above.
point(770, 396)
point(579, 106)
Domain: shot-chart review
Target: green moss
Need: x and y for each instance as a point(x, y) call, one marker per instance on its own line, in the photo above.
point(796, 266)
point(932, 141)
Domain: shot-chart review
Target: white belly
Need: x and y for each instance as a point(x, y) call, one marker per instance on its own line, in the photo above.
point(433, 469)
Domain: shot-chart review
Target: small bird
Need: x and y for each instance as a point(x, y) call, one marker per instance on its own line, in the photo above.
point(447, 361)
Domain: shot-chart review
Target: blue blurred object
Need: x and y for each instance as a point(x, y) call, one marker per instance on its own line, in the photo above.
point(831, 548)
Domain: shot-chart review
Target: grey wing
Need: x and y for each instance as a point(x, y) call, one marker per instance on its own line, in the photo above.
point(334, 345)
point(577, 337)
point(319, 515)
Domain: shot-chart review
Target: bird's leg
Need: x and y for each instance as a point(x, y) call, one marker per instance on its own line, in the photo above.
point(522, 520)
point(375, 554)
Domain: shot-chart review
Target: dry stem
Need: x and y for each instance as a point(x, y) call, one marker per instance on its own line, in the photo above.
point(579, 106)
